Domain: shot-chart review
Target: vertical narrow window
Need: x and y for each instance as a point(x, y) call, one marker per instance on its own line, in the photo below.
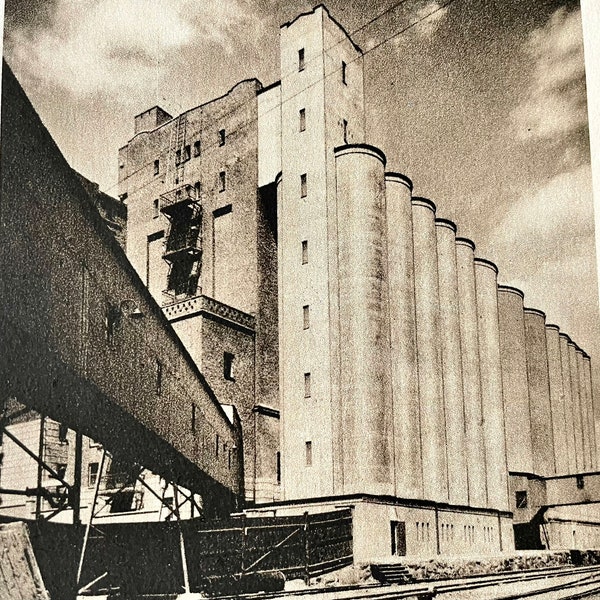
point(345, 126)
point(92, 473)
point(309, 456)
point(187, 154)
point(302, 119)
point(305, 252)
point(278, 466)
point(303, 185)
point(197, 190)
point(229, 459)
point(307, 385)
point(156, 208)
point(221, 137)
point(193, 417)
point(111, 320)
point(217, 445)
point(301, 59)
point(159, 377)
point(63, 430)
point(222, 181)
point(197, 148)
point(344, 73)
point(156, 166)
point(228, 362)
point(306, 316)
point(178, 157)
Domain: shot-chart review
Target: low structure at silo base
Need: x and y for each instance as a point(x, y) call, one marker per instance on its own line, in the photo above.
point(384, 527)
point(560, 511)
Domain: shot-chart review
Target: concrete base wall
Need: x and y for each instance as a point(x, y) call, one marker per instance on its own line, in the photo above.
point(430, 529)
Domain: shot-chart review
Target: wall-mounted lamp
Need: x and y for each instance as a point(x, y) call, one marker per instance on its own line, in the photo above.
point(129, 308)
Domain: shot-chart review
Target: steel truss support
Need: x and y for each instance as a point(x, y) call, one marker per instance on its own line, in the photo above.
point(59, 500)
point(174, 510)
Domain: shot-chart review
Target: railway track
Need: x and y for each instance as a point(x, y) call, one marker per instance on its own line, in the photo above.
point(569, 584)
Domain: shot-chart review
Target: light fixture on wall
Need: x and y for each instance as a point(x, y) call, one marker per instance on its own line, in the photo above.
point(129, 308)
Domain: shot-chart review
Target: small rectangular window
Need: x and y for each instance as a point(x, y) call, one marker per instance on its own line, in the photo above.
point(193, 417)
point(111, 321)
point(345, 126)
point(178, 157)
point(159, 377)
point(221, 137)
point(187, 154)
point(156, 166)
point(307, 385)
point(228, 362)
point(156, 208)
point(344, 73)
point(302, 119)
point(93, 473)
point(217, 445)
point(197, 190)
point(197, 148)
point(222, 181)
point(521, 499)
point(278, 466)
point(306, 316)
point(303, 185)
point(580, 482)
point(305, 252)
point(301, 59)
point(63, 430)
point(309, 456)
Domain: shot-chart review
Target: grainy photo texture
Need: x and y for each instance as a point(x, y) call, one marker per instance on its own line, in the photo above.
point(297, 299)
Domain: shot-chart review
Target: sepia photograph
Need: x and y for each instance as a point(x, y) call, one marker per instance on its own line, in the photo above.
point(299, 299)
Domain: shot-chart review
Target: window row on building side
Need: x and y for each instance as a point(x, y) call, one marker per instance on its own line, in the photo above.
point(188, 151)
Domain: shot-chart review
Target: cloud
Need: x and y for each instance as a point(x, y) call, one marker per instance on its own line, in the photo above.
point(544, 244)
point(122, 45)
point(433, 15)
point(555, 104)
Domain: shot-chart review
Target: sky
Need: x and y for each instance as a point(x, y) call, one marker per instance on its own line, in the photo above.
point(482, 104)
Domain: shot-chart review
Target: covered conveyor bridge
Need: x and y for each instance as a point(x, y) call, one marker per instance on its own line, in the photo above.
point(82, 339)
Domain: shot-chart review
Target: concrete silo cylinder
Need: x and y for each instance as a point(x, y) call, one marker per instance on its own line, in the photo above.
point(451, 362)
point(469, 340)
point(565, 363)
point(364, 320)
point(429, 355)
point(408, 466)
point(539, 392)
point(577, 420)
point(590, 393)
point(559, 428)
point(486, 274)
point(515, 390)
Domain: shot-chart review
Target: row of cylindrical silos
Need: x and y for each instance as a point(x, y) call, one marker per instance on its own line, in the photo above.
point(444, 377)
point(549, 406)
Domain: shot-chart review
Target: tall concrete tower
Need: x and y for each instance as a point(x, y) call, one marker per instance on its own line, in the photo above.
point(321, 109)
